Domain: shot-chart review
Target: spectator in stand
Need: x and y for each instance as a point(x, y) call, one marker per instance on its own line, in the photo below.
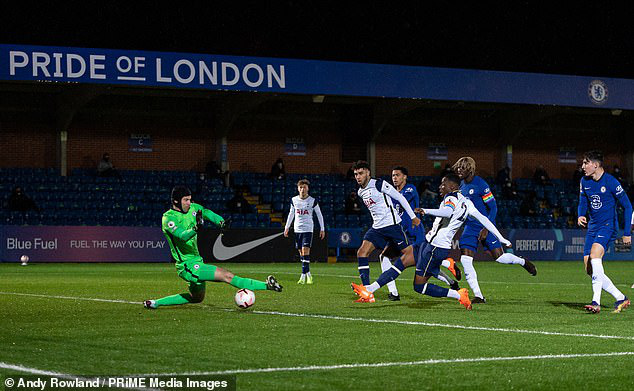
point(353, 203)
point(504, 176)
point(528, 205)
point(277, 170)
point(213, 171)
point(577, 175)
point(20, 202)
point(105, 168)
point(239, 204)
point(541, 176)
point(424, 188)
point(618, 174)
point(350, 173)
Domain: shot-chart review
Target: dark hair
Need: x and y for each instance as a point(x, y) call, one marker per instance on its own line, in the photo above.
point(595, 156)
point(303, 182)
point(453, 178)
point(401, 169)
point(359, 164)
point(178, 192)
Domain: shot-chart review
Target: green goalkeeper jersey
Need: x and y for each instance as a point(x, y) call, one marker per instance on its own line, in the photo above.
point(180, 230)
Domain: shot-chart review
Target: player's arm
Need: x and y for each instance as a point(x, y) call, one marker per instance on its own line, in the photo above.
point(174, 229)
point(624, 200)
point(289, 219)
point(490, 203)
point(484, 220)
point(216, 219)
point(446, 209)
point(582, 209)
point(320, 218)
point(392, 192)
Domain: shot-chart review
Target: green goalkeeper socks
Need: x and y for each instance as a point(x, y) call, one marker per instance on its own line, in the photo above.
point(247, 283)
point(174, 300)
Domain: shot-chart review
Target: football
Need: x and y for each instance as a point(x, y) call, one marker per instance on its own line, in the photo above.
point(245, 298)
point(24, 259)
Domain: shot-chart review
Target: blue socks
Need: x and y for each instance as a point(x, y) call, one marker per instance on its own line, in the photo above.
point(431, 290)
point(305, 263)
point(364, 270)
point(392, 273)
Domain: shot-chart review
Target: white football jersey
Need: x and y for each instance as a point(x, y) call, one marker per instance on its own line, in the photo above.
point(444, 228)
point(452, 214)
point(375, 197)
point(302, 212)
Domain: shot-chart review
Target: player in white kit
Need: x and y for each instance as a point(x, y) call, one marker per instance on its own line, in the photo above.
point(302, 209)
point(377, 195)
point(452, 214)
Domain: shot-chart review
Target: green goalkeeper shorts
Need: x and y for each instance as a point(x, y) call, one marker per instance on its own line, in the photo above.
point(197, 272)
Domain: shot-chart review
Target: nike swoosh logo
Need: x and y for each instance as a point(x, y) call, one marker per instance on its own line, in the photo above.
point(222, 252)
point(600, 236)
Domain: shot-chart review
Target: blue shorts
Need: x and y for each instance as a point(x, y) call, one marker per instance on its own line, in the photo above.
point(469, 238)
point(604, 235)
point(303, 239)
point(428, 259)
point(392, 234)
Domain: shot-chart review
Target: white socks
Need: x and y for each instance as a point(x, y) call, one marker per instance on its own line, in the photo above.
point(442, 278)
point(453, 294)
point(470, 275)
point(510, 259)
point(386, 265)
point(601, 281)
point(445, 263)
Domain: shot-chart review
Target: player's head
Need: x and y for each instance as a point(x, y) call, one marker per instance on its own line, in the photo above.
point(181, 198)
point(449, 184)
point(592, 161)
point(465, 167)
point(302, 187)
point(399, 176)
point(361, 170)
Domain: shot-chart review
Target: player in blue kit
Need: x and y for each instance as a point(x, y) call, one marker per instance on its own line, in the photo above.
point(415, 234)
point(477, 190)
point(598, 194)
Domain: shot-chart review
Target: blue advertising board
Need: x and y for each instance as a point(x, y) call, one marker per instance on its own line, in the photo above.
point(236, 73)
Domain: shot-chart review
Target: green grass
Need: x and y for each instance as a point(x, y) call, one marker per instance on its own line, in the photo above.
point(87, 337)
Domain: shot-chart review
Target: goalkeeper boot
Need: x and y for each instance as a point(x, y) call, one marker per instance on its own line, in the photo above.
point(621, 305)
point(454, 269)
point(149, 304)
point(593, 307)
point(464, 298)
point(365, 296)
point(272, 284)
point(302, 279)
point(309, 279)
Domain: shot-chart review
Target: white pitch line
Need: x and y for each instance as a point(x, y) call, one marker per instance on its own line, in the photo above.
point(35, 371)
point(395, 364)
point(369, 320)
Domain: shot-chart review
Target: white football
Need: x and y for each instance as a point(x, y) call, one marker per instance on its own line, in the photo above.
point(245, 298)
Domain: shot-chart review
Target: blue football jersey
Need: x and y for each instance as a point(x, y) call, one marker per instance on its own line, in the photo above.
point(598, 200)
point(478, 192)
point(411, 195)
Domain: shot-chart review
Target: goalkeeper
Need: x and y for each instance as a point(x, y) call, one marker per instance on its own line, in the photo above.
point(180, 226)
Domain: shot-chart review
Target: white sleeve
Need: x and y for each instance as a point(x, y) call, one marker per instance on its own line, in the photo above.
point(291, 216)
point(392, 192)
point(487, 224)
point(445, 211)
point(320, 218)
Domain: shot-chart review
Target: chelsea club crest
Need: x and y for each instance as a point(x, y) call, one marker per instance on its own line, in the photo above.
point(598, 92)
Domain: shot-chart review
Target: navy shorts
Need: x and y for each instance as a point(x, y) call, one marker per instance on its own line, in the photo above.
point(469, 238)
point(604, 235)
point(428, 259)
point(392, 234)
point(303, 239)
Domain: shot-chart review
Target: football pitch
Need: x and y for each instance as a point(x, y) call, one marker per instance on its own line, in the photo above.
point(87, 319)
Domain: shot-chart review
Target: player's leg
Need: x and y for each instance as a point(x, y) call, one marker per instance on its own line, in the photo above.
point(218, 274)
point(372, 239)
point(450, 265)
point(302, 277)
point(468, 248)
point(495, 247)
point(603, 240)
point(428, 265)
point(388, 253)
point(196, 295)
point(306, 263)
point(444, 277)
